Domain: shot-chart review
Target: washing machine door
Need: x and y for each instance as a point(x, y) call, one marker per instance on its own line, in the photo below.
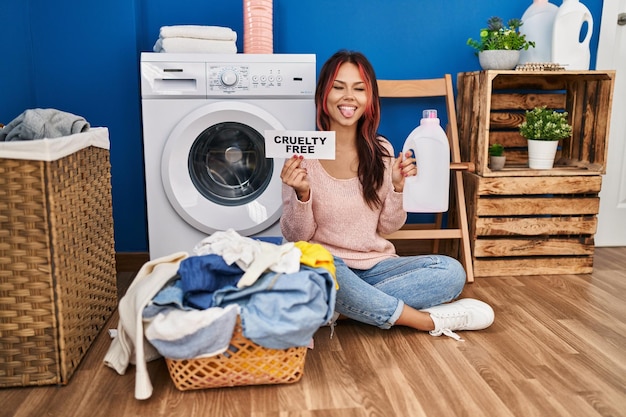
point(215, 173)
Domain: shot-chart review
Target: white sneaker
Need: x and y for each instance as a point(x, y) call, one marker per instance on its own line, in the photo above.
point(464, 314)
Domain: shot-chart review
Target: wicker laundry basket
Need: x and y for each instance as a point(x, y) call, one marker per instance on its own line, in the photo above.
point(244, 363)
point(57, 264)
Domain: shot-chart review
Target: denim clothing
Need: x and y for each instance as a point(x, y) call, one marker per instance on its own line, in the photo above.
point(201, 276)
point(283, 310)
point(377, 295)
point(171, 295)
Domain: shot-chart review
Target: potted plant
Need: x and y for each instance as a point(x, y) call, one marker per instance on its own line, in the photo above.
point(499, 44)
point(497, 159)
point(543, 128)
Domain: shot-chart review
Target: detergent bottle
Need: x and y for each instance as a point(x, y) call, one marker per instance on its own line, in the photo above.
point(427, 192)
point(537, 25)
point(570, 21)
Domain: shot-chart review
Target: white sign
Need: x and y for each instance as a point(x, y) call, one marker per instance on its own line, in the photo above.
point(310, 144)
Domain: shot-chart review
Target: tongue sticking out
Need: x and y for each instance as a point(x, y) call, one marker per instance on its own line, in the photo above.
point(347, 111)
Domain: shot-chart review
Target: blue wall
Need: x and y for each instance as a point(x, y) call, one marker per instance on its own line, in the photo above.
point(83, 57)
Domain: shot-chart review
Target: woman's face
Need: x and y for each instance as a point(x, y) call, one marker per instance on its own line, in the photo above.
point(348, 96)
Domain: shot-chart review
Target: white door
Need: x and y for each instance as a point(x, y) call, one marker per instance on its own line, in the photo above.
point(612, 55)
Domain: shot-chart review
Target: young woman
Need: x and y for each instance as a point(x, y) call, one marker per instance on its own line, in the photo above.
point(349, 203)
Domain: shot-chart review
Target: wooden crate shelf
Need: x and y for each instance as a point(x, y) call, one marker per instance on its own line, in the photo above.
point(532, 225)
point(525, 221)
point(491, 105)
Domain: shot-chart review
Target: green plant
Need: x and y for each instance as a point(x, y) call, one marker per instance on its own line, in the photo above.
point(498, 36)
point(545, 124)
point(496, 149)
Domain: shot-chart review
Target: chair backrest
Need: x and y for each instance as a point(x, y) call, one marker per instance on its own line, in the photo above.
point(435, 87)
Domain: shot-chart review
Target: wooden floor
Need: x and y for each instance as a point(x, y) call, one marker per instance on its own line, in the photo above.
point(557, 348)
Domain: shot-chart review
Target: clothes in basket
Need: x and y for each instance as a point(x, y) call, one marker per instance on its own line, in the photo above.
point(277, 309)
point(35, 124)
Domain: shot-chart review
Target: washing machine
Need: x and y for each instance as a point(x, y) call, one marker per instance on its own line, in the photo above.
point(204, 117)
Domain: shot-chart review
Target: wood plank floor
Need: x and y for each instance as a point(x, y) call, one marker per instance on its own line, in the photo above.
point(557, 348)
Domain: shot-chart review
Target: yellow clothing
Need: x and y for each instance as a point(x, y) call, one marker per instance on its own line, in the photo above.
point(316, 256)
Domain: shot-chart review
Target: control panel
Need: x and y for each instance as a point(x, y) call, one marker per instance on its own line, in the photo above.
point(227, 76)
point(260, 79)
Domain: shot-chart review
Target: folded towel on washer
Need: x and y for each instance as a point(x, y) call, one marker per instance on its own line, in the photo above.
point(195, 45)
point(198, 32)
point(43, 123)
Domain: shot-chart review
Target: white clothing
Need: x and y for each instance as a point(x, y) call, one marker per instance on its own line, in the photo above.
point(130, 344)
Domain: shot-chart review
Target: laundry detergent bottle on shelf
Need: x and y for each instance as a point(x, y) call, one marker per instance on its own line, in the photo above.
point(537, 25)
point(427, 192)
point(571, 21)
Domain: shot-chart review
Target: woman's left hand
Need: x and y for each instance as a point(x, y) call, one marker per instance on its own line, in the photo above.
point(402, 168)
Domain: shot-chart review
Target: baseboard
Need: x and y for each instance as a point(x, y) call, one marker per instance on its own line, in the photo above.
point(130, 261)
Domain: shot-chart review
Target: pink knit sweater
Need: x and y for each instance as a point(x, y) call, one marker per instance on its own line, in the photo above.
point(337, 217)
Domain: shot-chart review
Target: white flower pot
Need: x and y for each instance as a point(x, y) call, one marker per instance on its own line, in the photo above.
point(496, 163)
point(541, 153)
point(499, 59)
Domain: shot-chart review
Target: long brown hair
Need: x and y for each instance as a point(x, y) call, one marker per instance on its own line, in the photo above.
point(370, 149)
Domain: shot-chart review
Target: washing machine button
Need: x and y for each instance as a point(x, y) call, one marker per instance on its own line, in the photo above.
point(229, 78)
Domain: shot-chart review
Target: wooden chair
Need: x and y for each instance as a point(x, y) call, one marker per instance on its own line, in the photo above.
point(457, 227)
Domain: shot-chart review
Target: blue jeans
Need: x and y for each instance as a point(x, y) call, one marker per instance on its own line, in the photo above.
point(377, 296)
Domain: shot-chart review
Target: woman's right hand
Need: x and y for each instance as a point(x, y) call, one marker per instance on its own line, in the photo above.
point(295, 176)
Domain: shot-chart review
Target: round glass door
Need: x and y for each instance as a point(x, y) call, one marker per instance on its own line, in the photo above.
point(215, 173)
point(227, 164)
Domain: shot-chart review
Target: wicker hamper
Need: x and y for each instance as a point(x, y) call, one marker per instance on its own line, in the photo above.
point(244, 363)
point(57, 263)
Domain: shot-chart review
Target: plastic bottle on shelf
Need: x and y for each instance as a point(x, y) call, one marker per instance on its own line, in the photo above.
point(537, 25)
point(427, 192)
point(567, 48)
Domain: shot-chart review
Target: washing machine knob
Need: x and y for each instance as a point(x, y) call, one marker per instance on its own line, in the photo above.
point(229, 78)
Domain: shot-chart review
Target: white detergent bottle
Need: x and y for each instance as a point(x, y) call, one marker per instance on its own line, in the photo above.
point(427, 192)
point(537, 25)
point(567, 48)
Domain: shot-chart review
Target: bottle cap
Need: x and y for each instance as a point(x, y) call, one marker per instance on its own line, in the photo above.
point(429, 114)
